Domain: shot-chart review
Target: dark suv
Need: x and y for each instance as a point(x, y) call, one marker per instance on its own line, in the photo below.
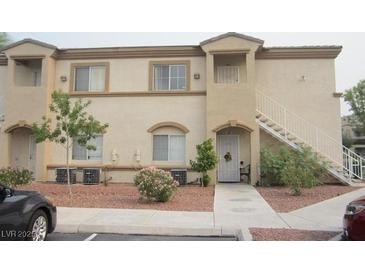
point(25, 215)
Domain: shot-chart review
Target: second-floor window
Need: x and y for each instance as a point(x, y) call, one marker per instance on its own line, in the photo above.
point(89, 79)
point(169, 77)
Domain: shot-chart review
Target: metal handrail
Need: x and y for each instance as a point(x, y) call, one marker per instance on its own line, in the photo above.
point(295, 126)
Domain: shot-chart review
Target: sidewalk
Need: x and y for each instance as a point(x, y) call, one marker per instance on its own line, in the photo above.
point(237, 207)
point(136, 221)
point(326, 215)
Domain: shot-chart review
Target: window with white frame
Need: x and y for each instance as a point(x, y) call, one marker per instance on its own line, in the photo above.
point(169, 77)
point(169, 148)
point(80, 152)
point(89, 78)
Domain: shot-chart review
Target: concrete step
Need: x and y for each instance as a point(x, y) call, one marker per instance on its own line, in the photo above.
point(277, 128)
point(298, 142)
point(263, 119)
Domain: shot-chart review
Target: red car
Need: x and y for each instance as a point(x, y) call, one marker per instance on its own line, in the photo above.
point(354, 220)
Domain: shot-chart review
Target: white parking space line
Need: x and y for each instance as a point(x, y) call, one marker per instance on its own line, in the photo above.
point(92, 236)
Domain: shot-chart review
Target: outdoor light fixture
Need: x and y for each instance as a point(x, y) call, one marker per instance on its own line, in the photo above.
point(63, 78)
point(196, 76)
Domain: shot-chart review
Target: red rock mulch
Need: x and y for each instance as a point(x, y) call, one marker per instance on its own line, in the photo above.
point(278, 234)
point(281, 199)
point(187, 198)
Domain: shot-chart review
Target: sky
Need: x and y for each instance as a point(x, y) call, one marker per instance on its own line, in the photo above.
point(350, 65)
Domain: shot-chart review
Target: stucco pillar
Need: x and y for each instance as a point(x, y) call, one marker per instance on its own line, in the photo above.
point(4, 148)
point(210, 133)
point(255, 134)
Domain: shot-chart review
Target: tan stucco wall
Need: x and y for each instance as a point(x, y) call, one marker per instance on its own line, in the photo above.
point(27, 104)
point(130, 118)
point(268, 141)
point(3, 86)
point(132, 75)
point(227, 102)
point(311, 99)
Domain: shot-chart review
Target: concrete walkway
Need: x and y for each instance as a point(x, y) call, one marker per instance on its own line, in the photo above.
point(326, 215)
point(240, 205)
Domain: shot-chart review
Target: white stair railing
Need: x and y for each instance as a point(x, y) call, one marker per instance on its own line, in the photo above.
point(293, 126)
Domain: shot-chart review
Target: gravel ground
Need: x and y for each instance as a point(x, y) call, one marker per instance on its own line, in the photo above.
point(187, 198)
point(278, 234)
point(281, 200)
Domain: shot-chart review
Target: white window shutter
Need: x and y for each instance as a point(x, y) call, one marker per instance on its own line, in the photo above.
point(160, 147)
point(97, 79)
point(78, 152)
point(96, 154)
point(177, 148)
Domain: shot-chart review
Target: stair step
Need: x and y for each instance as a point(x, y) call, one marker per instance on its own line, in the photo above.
point(258, 115)
point(298, 142)
point(270, 124)
point(277, 128)
point(263, 119)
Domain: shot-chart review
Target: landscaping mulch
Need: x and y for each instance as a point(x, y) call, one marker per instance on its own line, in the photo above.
point(281, 199)
point(284, 234)
point(123, 195)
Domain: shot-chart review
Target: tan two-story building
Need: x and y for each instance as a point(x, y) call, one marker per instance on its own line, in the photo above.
point(160, 102)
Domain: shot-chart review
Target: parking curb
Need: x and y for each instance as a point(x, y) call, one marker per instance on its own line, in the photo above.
point(154, 230)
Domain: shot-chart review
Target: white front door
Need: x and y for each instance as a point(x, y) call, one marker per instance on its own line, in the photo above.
point(32, 154)
point(228, 152)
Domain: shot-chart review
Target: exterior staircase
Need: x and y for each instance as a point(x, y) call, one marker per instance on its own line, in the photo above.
point(286, 126)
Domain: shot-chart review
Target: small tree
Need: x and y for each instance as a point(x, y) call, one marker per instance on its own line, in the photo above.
point(4, 39)
point(72, 123)
point(206, 160)
point(356, 98)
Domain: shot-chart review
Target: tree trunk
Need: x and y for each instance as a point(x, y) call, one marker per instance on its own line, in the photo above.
point(68, 169)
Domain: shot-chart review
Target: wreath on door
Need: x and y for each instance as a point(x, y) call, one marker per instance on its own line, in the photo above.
point(228, 157)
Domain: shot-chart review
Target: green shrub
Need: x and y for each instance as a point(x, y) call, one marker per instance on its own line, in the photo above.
point(294, 168)
point(206, 160)
point(15, 177)
point(155, 184)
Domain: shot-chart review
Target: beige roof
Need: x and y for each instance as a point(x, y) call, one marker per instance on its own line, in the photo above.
point(232, 34)
point(28, 40)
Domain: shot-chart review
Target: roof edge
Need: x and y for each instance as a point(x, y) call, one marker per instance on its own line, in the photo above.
point(28, 40)
point(232, 34)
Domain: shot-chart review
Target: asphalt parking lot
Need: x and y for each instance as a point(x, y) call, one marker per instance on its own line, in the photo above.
point(122, 237)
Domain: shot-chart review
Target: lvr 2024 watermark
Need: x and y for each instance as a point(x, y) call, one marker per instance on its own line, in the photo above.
point(13, 234)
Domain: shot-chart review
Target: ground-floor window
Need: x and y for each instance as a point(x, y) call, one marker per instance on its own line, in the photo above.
point(169, 148)
point(82, 153)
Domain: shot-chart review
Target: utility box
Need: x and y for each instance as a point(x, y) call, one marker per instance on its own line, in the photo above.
point(91, 176)
point(61, 175)
point(179, 175)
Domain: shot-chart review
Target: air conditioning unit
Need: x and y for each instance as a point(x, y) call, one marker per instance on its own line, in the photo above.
point(179, 175)
point(61, 175)
point(91, 176)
